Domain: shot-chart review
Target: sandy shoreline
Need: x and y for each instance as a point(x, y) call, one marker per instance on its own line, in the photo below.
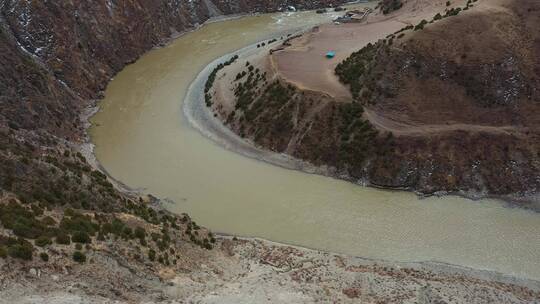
point(427, 266)
point(202, 119)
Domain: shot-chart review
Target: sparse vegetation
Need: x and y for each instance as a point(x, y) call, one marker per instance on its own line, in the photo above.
point(152, 255)
point(63, 239)
point(388, 6)
point(44, 256)
point(268, 108)
point(452, 12)
point(43, 241)
point(355, 71)
point(81, 237)
point(18, 248)
point(420, 26)
point(79, 257)
point(212, 78)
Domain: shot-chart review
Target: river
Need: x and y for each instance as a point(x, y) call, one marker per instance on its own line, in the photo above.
point(142, 138)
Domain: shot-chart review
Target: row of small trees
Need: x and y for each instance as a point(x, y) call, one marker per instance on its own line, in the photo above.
point(212, 78)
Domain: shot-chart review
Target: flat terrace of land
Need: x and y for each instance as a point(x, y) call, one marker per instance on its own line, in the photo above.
point(303, 61)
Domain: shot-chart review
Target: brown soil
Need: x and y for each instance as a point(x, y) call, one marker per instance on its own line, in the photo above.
point(304, 64)
point(456, 104)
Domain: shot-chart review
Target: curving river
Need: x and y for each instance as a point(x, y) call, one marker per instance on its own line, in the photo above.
point(143, 139)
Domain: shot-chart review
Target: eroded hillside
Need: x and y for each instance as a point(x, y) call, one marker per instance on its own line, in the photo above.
point(447, 103)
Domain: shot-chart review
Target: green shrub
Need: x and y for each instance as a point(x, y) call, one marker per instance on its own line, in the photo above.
point(63, 239)
point(420, 26)
point(79, 257)
point(27, 228)
point(48, 221)
point(69, 212)
point(115, 227)
point(21, 220)
point(389, 6)
point(408, 27)
point(22, 250)
point(81, 237)
point(44, 257)
point(79, 222)
point(127, 233)
point(78, 246)
point(43, 241)
point(3, 252)
point(98, 175)
point(140, 233)
point(162, 245)
point(453, 12)
point(152, 255)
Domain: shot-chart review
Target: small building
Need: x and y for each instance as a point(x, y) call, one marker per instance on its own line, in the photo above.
point(330, 54)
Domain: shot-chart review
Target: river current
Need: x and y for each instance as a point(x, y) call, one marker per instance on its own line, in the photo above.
point(142, 138)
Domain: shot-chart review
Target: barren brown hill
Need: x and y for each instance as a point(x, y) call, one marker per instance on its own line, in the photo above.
point(472, 81)
point(449, 102)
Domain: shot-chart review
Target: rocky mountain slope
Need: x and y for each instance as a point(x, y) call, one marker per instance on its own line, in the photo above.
point(448, 104)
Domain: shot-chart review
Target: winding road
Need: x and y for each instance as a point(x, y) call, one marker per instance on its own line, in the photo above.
point(402, 128)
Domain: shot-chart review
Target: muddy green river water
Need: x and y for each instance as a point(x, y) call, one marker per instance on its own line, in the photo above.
point(142, 138)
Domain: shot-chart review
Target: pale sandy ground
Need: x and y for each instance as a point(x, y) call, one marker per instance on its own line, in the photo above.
point(267, 272)
point(223, 90)
point(304, 62)
point(257, 271)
